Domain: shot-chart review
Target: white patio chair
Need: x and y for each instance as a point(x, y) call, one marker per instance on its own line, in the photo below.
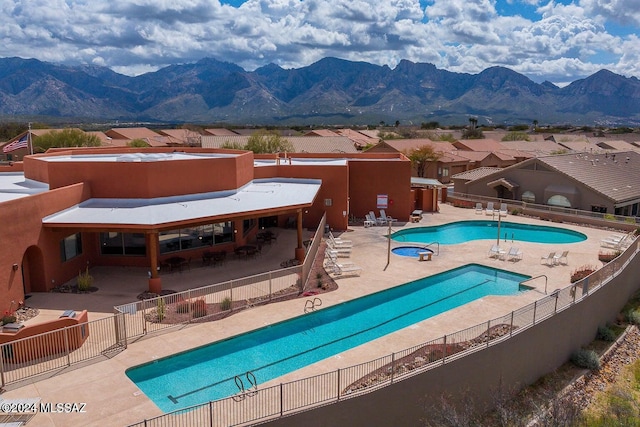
point(514, 254)
point(557, 258)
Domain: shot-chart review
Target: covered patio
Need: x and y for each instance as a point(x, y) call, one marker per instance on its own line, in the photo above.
point(174, 231)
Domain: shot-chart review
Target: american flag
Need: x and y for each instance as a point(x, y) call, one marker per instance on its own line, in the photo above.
point(16, 145)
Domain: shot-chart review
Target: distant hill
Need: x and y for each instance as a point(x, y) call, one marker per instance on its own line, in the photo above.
point(328, 92)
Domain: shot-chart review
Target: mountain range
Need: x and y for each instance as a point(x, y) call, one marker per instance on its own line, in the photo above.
point(329, 92)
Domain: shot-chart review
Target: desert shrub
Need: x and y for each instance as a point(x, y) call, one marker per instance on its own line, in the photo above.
point(633, 316)
point(161, 310)
point(225, 304)
point(605, 333)
point(8, 318)
point(581, 272)
point(182, 307)
point(199, 308)
point(587, 359)
point(85, 280)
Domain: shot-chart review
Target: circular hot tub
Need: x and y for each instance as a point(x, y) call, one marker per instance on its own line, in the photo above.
point(410, 251)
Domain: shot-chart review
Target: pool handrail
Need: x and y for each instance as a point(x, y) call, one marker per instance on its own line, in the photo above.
point(546, 280)
point(423, 246)
point(437, 247)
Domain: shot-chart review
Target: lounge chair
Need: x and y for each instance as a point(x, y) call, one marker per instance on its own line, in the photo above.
point(496, 252)
point(342, 269)
point(489, 210)
point(339, 252)
point(614, 242)
point(331, 259)
point(385, 218)
point(514, 254)
point(339, 243)
point(379, 221)
point(557, 258)
point(503, 209)
point(479, 208)
point(548, 260)
point(368, 221)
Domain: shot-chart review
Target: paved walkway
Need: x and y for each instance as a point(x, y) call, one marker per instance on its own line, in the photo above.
point(112, 399)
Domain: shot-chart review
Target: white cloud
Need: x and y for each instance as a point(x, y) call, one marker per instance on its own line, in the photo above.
point(625, 12)
point(135, 36)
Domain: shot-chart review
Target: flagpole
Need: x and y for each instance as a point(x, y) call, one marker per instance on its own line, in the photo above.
point(30, 142)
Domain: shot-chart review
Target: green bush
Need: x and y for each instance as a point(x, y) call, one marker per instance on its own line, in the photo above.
point(587, 359)
point(182, 307)
point(8, 318)
point(606, 334)
point(85, 280)
point(633, 316)
point(226, 304)
point(161, 310)
point(199, 308)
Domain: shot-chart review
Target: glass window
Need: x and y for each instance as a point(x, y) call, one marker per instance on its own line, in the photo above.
point(247, 225)
point(529, 197)
point(114, 243)
point(559, 200)
point(70, 247)
point(195, 237)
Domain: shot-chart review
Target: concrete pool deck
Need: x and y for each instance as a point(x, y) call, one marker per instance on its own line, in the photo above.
point(112, 399)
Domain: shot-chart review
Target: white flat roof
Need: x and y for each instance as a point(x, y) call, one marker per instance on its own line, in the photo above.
point(13, 185)
point(260, 194)
point(301, 162)
point(135, 157)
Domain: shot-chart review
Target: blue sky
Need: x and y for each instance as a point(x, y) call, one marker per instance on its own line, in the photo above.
point(559, 41)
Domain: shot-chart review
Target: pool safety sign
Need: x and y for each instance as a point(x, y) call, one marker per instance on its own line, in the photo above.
point(382, 201)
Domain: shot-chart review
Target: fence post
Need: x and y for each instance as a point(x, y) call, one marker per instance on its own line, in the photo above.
point(338, 389)
point(65, 332)
point(231, 291)
point(511, 328)
point(2, 347)
point(143, 305)
point(210, 413)
point(555, 307)
point(124, 327)
point(488, 332)
point(188, 305)
point(393, 366)
point(535, 308)
point(281, 400)
point(270, 287)
point(444, 349)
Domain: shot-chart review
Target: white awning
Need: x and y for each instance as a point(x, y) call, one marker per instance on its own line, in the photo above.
point(259, 195)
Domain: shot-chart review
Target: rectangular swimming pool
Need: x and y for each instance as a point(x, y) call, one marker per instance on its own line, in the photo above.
point(208, 372)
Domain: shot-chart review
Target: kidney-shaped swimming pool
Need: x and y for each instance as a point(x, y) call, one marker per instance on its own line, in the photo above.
point(464, 231)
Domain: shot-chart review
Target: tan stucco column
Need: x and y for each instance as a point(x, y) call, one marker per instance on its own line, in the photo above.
point(155, 282)
point(300, 252)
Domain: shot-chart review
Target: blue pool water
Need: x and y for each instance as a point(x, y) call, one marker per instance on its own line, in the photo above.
point(207, 373)
point(410, 251)
point(464, 231)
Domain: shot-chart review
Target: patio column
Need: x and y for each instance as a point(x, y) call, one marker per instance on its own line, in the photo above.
point(300, 252)
point(155, 282)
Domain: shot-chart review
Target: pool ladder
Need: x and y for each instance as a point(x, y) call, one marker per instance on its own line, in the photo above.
point(310, 305)
point(245, 392)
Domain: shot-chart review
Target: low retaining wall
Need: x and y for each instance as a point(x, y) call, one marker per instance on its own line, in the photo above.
point(54, 337)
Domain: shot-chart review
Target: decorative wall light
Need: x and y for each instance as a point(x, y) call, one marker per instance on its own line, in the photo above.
point(15, 267)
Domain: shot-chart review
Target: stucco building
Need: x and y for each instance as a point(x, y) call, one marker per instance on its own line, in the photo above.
point(68, 209)
point(604, 183)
